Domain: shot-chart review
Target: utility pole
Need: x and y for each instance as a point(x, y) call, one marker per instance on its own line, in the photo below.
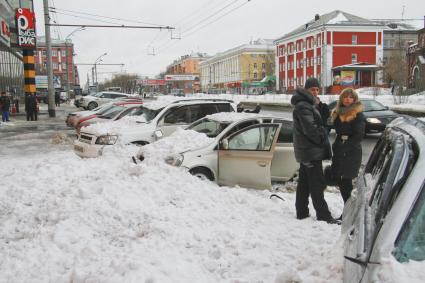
point(51, 96)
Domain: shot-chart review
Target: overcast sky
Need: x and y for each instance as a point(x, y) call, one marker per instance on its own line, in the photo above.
point(250, 19)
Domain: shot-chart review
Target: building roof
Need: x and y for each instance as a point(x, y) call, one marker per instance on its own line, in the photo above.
point(41, 40)
point(336, 17)
point(259, 45)
point(397, 25)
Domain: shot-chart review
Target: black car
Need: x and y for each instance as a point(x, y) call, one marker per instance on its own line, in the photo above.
point(378, 116)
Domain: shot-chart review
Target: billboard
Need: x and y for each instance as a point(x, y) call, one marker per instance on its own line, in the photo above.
point(348, 77)
point(181, 77)
point(4, 32)
point(25, 24)
point(42, 82)
point(150, 82)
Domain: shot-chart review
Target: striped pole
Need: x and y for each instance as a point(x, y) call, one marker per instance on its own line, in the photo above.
point(29, 71)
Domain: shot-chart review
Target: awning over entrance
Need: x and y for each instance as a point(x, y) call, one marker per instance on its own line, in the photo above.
point(357, 67)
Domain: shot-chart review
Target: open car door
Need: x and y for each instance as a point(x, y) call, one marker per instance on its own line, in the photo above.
point(245, 157)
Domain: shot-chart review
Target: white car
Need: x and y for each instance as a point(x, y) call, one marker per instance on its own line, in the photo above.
point(384, 219)
point(159, 118)
point(249, 150)
point(92, 101)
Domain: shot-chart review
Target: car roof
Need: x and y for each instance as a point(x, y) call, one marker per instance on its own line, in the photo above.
point(158, 104)
point(231, 117)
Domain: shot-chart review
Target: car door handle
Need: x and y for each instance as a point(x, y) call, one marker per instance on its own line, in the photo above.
point(262, 163)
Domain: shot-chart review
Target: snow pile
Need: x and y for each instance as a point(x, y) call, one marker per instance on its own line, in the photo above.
point(114, 127)
point(67, 219)
point(179, 141)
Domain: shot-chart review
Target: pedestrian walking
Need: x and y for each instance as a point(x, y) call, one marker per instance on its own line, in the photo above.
point(57, 98)
point(5, 107)
point(31, 107)
point(349, 123)
point(311, 146)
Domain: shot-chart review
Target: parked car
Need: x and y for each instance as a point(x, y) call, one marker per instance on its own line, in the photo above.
point(177, 92)
point(377, 115)
point(115, 113)
point(42, 96)
point(384, 219)
point(159, 118)
point(90, 102)
point(249, 150)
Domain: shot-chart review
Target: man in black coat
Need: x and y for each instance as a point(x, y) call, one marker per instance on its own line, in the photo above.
point(311, 146)
point(31, 107)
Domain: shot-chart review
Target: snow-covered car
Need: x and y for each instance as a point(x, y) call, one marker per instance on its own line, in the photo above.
point(92, 101)
point(75, 119)
point(249, 150)
point(384, 219)
point(115, 113)
point(159, 118)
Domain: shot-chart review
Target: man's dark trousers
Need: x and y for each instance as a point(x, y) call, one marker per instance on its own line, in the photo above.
point(311, 182)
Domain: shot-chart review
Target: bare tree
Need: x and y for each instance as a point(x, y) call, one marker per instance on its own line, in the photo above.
point(396, 73)
point(127, 82)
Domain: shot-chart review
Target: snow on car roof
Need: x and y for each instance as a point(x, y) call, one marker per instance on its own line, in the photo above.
point(231, 116)
point(112, 127)
point(164, 101)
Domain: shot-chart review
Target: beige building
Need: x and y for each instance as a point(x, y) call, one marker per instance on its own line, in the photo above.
point(245, 68)
point(184, 73)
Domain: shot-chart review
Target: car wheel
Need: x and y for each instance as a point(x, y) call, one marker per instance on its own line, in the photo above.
point(92, 105)
point(202, 173)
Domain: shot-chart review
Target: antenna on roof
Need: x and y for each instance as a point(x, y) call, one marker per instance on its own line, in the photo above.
point(316, 17)
point(402, 13)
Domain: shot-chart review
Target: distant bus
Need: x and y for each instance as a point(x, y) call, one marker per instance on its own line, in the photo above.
point(113, 88)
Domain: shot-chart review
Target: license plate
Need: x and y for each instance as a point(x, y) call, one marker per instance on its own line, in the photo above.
point(78, 148)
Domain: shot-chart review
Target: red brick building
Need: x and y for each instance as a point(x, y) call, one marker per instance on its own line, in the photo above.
point(337, 48)
point(62, 63)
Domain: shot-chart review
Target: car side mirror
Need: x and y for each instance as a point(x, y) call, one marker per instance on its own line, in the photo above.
point(225, 144)
point(386, 107)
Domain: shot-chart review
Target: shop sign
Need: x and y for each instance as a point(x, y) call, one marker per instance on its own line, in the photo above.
point(26, 27)
point(181, 77)
point(151, 82)
point(4, 32)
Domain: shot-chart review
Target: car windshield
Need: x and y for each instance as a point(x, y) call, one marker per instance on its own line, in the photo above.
point(105, 109)
point(97, 94)
point(148, 114)
point(209, 127)
point(410, 244)
point(112, 112)
point(372, 105)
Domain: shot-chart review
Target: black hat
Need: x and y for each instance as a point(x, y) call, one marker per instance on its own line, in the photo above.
point(311, 82)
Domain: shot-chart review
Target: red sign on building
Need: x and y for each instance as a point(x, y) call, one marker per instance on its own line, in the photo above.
point(26, 28)
point(4, 32)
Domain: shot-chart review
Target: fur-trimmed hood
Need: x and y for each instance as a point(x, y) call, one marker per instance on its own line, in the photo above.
point(347, 114)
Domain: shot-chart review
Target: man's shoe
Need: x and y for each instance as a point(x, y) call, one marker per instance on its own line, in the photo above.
point(304, 216)
point(330, 220)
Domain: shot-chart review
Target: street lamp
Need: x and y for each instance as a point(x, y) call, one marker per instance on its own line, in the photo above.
point(99, 59)
point(66, 60)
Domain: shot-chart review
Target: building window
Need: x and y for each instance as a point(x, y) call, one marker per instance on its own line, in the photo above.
point(353, 58)
point(44, 53)
point(319, 40)
point(263, 65)
point(63, 66)
point(255, 65)
point(54, 52)
point(255, 75)
point(354, 39)
point(55, 65)
point(263, 75)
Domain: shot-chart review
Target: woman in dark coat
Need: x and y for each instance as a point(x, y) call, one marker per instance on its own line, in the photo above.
point(349, 123)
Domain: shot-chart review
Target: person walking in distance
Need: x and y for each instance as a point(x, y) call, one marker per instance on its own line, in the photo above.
point(4, 106)
point(349, 123)
point(57, 99)
point(311, 146)
point(31, 107)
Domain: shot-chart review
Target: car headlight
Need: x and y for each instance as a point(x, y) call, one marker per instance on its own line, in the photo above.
point(107, 140)
point(174, 160)
point(374, 120)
